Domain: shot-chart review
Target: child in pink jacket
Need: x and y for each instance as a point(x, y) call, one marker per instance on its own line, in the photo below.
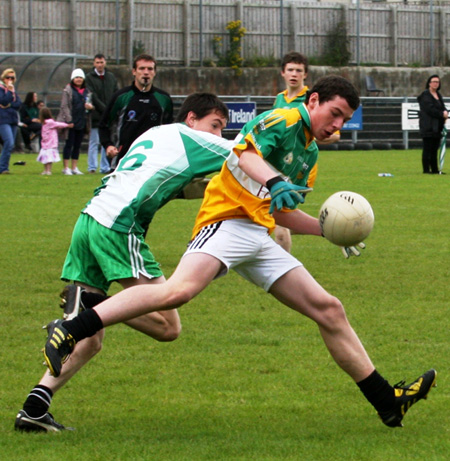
point(49, 140)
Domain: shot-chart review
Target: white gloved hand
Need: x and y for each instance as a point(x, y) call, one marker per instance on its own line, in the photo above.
point(353, 251)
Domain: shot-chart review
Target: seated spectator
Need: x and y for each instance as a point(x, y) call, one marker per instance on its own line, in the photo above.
point(29, 118)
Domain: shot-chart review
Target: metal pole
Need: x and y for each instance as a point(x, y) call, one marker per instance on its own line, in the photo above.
point(405, 133)
point(30, 26)
point(281, 29)
point(117, 32)
point(358, 33)
point(431, 34)
point(130, 32)
point(200, 28)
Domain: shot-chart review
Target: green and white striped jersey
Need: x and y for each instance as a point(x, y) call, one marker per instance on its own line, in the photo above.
point(158, 165)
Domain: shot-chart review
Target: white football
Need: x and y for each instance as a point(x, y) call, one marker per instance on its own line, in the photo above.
point(346, 218)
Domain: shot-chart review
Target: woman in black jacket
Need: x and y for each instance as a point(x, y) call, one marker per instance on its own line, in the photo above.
point(432, 117)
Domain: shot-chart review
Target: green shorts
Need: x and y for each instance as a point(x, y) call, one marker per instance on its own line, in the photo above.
point(99, 256)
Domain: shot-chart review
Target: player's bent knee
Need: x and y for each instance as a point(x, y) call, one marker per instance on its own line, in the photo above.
point(171, 334)
point(333, 314)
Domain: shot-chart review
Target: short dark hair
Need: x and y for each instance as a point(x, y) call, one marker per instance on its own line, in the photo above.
point(143, 57)
point(296, 58)
point(202, 104)
point(99, 56)
point(334, 85)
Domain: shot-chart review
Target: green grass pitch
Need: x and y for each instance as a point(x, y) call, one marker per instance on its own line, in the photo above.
point(248, 379)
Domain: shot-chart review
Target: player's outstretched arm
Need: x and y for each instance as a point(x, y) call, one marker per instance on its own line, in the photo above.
point(298, 222)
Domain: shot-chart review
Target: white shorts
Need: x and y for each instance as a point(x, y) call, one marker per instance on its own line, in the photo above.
point(245, 247)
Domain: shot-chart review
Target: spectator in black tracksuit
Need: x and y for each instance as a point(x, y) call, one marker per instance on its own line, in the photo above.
point(432, 117)
point(135, 109)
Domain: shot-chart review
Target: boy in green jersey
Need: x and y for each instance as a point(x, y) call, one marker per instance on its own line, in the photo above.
point(294, 70)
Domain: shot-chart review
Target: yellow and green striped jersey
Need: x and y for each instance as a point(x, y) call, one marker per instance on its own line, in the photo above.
point(281, 137)
point(283, 102)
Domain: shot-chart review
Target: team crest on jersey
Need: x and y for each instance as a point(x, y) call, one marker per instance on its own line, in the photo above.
point(301, 173)
point(289, 158)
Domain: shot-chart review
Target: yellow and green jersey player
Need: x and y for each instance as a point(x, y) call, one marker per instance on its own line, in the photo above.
point(294, 70)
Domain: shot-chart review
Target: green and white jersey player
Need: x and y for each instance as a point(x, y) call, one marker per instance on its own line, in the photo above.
point(159, 164)
point(108, 239)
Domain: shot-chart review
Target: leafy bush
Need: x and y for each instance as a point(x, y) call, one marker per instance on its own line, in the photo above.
point(138, 47)
point(233, 56)
point(337, 44)
point(255, 60)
